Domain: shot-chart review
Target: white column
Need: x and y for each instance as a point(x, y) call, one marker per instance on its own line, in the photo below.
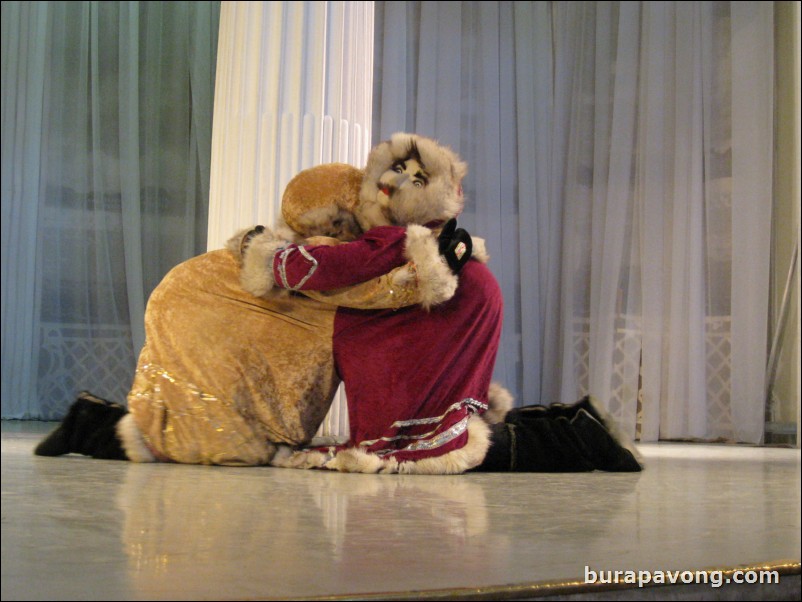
point(293, 89)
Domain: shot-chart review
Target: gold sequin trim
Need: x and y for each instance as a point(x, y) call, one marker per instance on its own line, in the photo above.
point(403, 294)
point(196, 410)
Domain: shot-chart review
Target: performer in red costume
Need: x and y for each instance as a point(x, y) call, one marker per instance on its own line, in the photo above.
point(418, 379)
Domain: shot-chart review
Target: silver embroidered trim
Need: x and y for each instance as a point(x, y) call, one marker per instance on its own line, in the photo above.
point(285, 253)
point(441, 439)
point(282, 266)
point(472, 404)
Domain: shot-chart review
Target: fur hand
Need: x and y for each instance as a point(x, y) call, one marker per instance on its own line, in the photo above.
point(239, 243)
point(436, 282)
point(479, 252)
point(246, 240)
point(255, 248)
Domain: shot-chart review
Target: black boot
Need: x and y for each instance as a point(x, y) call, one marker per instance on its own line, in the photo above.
point(597, 428)
point(607, 452)
point(556, 410)
point(88, 429)
point(533, 440)
point(501, 451)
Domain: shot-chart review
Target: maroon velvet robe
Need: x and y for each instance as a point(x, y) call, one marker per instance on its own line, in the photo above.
point(412, 377)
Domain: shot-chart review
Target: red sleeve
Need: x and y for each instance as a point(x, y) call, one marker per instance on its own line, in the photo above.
point(320, 268)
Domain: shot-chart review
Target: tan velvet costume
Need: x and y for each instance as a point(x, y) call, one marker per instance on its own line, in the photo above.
point(225, 375)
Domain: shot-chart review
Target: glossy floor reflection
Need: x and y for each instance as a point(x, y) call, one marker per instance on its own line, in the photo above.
point(75, 528)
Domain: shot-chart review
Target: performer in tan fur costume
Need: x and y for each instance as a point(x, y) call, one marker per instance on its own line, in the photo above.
point(226, 377)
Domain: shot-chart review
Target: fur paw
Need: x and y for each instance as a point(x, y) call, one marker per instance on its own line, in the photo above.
point(238, 243)
point(480, 250)
point(436, 282)
point(256, 252)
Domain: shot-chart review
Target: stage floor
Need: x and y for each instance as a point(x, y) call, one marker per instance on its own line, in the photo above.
point(81, 529)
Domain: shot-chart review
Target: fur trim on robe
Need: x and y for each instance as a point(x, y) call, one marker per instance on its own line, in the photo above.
point(436, 282)
point(353, 459)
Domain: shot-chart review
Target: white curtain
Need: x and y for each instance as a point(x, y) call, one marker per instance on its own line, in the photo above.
point(293, 90)
point(621, 169)
point(106, 135)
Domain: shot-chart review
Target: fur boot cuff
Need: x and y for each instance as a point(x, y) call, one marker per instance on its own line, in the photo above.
point(131, 437)
point(500, 402)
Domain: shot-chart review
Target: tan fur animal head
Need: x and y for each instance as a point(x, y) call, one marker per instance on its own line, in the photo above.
point(320, 201)
point(410, 179)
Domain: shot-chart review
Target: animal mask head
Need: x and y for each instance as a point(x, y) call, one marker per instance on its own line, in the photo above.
point(320, 201)
point(410, 179)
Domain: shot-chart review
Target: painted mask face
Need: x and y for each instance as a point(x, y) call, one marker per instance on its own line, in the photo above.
point(403, 174)
point(410, 179)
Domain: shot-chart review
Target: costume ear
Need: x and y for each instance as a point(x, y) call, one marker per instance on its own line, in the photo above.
point(458, 171)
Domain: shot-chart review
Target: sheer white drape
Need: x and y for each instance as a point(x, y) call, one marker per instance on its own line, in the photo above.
point(106, 130)
point(621, 157)
point(293, 90)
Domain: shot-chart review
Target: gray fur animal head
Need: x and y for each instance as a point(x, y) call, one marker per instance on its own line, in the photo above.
point(410, 179)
